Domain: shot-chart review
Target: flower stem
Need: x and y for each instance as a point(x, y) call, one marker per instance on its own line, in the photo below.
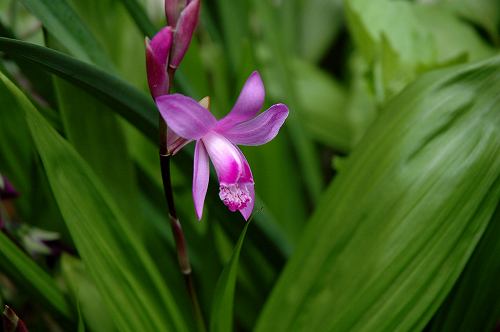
point(180, 240)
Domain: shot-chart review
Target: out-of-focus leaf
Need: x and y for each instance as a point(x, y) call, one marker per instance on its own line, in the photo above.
point(323, 101)
point(473, 304)
point(223, 303)
point(131, 287)
point(140, 17)
point(30, 276)
point(234, 22)
point(321, 21)
point(402, 39)
point(119, 37)
point(86, 296)
point(65, 25)
point(279, 60)
point(484, 13)
point(397, 226)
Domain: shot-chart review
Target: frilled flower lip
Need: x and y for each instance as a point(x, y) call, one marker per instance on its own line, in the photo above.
point(217, 140)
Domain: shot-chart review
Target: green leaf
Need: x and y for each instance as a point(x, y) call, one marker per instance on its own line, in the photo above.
point(86, 296)
point(66, 26)
point(140, 17)
point(402, 39)
point(474, 304)
point(321, 21)
point(485, 13)
point(221, 318)
point(30, 276)
point(397, 226)
point(125, 275)
point(133, 105)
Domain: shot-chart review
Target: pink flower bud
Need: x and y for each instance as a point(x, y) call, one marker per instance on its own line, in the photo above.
point(184, 30)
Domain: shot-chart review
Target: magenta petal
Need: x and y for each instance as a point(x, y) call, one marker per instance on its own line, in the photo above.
point(184, 32)
point(201, 175)
point(247, 210)
point(157, 52)
point(225, 157)
point(174, 142)
point(249, 102)
point(260, 129)
point(185, 116)
point(172, 10)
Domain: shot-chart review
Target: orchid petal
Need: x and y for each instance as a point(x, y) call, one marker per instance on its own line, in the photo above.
point(260, 129)
point(201, 175)
point(247, 210)
point(184, 30)
point(185, 116)
point(157, 51)
point(249, 102)
point(174, 142)
point(225, 157)
point(172, 10)
point(246, 180)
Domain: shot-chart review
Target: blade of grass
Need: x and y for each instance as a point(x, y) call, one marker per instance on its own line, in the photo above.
point(223, 303)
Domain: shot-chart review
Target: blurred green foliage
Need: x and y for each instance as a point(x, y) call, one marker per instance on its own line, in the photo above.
point(375, 204)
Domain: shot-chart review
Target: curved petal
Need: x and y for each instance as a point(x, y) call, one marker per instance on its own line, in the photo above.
point(246, 181)
point(225, 157)
point(157, 51)
point(249, 102)
point(184, 30)
point(247, 210)
point(201, 175)
point(259, 130)
point(185, 116)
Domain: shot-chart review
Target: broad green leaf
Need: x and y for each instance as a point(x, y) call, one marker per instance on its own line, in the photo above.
point(65, 25)
point(31, 277)
point(221, 318)
point(397, 226)
point(88, 300)
point(473, 304)
point(128, 281)
point(402, 39)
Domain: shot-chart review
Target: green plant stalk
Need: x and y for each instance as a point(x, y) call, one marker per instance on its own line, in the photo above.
point(177, 232)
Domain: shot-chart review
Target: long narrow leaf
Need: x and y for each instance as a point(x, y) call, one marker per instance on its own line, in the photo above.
point(128, 281)
point(222, 306)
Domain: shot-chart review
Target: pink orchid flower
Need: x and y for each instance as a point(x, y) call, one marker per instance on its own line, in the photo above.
point(217, 140)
